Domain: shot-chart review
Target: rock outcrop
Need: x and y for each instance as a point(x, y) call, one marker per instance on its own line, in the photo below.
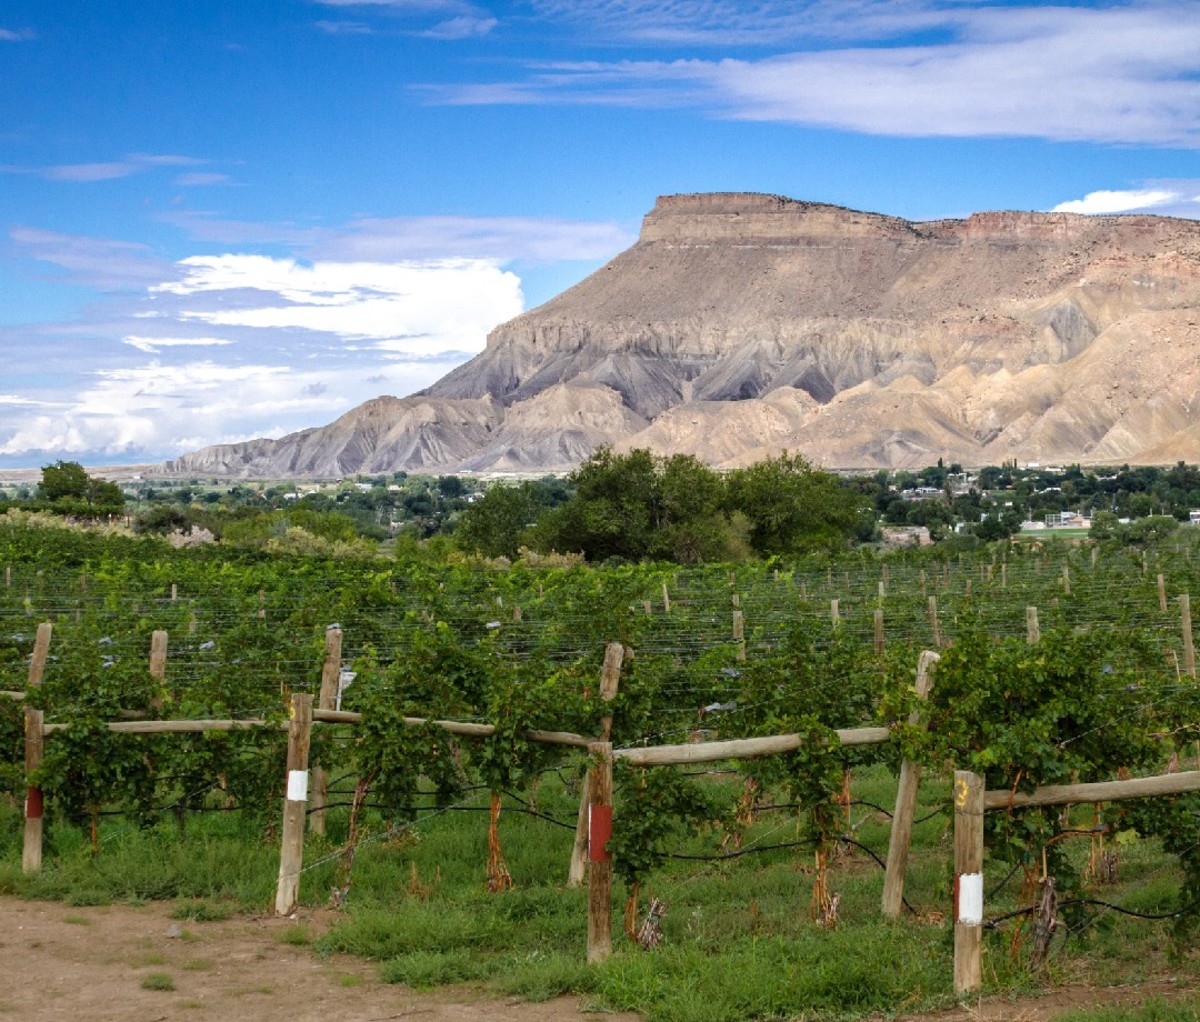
point(743, 324)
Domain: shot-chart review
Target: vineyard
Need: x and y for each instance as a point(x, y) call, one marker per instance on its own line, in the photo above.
point(467, 720)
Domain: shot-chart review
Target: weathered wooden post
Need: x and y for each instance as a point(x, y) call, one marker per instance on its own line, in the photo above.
point(739, 634)
point(31, 857)
point(291, 852)
point(1066, 578)
point(835, 616)
point(906, 804)
point(1162, 593)
point(878, 629)
point(331, 669)
point(1189, 649)
point(933, 622)
point(158, 668)
point(666, 599)
point(1033, 631)
point(968, 882)
point(610, 678)
point(600, 777)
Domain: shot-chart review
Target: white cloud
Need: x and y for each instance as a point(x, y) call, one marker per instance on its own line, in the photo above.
point(421, 308)
point(504, 239)
point(463, 27)
point(9, 35)
point(135, 163)
point(1174, 199)
point(98, 262)
point(200, 179)
point(1117, 202)
point(154, 345)
point(343, 27)
point(1126, 73)
point(157, 411)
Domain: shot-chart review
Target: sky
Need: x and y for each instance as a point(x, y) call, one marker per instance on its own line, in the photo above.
point(229, 220)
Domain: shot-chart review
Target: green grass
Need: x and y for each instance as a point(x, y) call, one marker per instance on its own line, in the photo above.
point(158, 981)
point(738, 940)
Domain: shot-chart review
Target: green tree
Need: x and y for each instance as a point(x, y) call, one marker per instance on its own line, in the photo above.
point(496, 523)
point(67, 483)
point(793, 507)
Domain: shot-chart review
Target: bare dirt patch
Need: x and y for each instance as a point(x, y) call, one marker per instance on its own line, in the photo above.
point(61, 963)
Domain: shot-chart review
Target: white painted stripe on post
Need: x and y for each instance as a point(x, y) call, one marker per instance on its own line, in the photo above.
point(970, 899)
point(297, 788)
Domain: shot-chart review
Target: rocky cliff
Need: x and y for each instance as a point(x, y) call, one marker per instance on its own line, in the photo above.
point(743, 324)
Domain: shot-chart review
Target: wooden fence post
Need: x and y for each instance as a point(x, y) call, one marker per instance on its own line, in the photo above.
point(291, 852)
point(666, 599)
point(835, 615)
point(906, 804)
point(739, 634)
point(1162, 593)
point(31, 857)
point(1066, 578)
point(1033, 631)
point(610, 677)
point(1189, 649)
point(968, 882)
point(158, 668)
point(331, 670)
point(878, 629)
point(933, 622)
point(599, 935)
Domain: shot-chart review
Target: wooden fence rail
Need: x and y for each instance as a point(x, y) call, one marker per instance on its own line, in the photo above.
point(970, 803)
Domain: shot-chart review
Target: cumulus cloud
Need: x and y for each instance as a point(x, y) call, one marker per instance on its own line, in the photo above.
point(416, 308)
point(1122, 74)
point(156, 411)
point(1182, 199)
point(383, 305)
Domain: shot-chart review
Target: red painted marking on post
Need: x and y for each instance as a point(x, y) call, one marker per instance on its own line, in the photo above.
point(599, 831)
point(33, 804)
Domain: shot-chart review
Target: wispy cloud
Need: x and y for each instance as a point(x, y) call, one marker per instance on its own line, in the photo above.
point(96, 262)
point(724, 23)
point(463, 27)
point(9, 35)
point(1126, 73)
point(107, 170)
point(383, 239)
point(200, 179)
point(343, 27)
point(429, 19)
point(505, 239)
point(154, 345)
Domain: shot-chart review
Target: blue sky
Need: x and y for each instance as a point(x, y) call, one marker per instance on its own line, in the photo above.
point(220, 221)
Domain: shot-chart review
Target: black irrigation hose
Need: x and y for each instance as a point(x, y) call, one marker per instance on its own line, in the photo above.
point(1190, 907)
point(740, 852)
point(455, 809)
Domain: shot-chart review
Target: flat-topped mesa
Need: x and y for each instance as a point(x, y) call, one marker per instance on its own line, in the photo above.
point(747, 217)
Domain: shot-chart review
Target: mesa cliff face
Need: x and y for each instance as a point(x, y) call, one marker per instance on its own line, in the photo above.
point(742, 324)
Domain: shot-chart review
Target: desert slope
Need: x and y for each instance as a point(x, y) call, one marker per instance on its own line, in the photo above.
point(743, 324)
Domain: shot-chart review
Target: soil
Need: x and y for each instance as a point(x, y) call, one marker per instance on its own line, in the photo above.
point(62, 963)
